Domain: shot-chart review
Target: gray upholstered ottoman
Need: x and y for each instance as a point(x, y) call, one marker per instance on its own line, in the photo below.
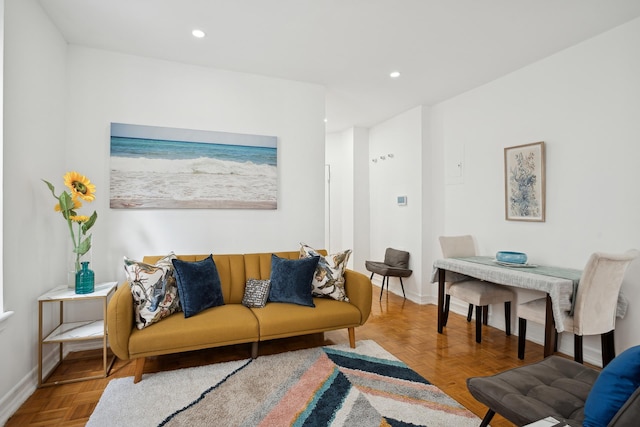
point(554, 387)
point(566, 390)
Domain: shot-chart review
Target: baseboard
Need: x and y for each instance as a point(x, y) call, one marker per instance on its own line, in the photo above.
point(396, 289)
point(12, 401)
point(19, 394)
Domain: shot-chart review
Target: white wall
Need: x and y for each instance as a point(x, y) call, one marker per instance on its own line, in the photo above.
point(399, 227)
point(339, 157)
point(347, 155)
point(34, 148)
point(108, 87)
point(584, 103)
point(59, 101)
point(361, 218)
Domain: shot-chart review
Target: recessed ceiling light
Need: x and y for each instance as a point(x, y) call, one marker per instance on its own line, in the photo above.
point(198, 33)
point(394, 74)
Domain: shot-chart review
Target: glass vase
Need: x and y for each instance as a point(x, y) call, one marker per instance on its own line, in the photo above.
point(85, 279)
point(71, 264)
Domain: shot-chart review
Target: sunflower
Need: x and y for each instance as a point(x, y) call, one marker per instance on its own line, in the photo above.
point(79, 218)
point(77, 204)
point(80, 186)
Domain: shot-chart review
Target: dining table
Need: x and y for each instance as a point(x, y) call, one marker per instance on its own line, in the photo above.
point(560, 285)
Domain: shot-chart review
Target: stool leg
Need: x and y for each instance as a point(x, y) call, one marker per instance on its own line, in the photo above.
point(507, 317)
point(479, 310)
point(487, 418)
point(469, 312)
point(401, 284)
point(522, 334)
point(485, 315)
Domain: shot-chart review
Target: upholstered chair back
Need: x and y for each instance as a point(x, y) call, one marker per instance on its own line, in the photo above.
point(396, 258)
point(457, 246)
point(597, 296)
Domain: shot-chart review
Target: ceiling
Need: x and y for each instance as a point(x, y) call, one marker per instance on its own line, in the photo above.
point(441, 47)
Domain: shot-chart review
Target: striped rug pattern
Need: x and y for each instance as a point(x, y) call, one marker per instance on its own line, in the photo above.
point(328, 386)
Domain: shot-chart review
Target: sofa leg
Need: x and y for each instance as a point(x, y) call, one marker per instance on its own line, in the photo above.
point(254, 350)
point(352, 337)
point(139, 369)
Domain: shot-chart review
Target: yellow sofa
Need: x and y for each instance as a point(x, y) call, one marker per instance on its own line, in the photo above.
point(233, 323)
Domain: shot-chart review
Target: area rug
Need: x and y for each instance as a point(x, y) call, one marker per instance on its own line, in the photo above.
point(325, 386)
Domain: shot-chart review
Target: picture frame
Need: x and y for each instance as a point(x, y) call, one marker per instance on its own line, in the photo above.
point(524, 182)
point(153, 167)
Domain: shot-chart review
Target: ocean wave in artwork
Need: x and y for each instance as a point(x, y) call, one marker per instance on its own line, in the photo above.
point(141, 182)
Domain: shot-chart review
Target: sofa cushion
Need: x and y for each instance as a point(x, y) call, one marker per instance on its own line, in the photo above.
point(198, 285)
point(328, 279)
point(277, 320)
point(217, 326)
point(291, 280)
point(256, 293)
point(615, 384)
point(154, 290)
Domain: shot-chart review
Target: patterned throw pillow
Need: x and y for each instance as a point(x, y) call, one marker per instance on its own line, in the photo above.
point(256, 293)
point(154, 290)
point(328, 280)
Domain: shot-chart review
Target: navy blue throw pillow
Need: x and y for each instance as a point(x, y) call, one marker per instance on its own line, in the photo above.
point(291, 280)
point(198, 285)
point(615, 384)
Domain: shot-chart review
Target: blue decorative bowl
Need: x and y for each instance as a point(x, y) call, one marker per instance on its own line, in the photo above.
point(511, 257)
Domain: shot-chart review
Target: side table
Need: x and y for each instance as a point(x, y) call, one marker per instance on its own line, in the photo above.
point(74, 331)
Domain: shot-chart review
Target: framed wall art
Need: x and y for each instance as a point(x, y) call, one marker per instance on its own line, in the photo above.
point(169, 168)
point(524, 182)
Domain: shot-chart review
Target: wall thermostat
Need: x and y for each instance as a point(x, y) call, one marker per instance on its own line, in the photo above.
point(402, 200)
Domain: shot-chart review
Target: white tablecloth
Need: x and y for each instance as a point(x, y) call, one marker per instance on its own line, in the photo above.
point(560, 290)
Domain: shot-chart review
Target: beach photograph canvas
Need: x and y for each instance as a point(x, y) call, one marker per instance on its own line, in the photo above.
point(171, 168)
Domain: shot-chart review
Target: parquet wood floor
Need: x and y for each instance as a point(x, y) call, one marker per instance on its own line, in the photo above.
point(405, 329)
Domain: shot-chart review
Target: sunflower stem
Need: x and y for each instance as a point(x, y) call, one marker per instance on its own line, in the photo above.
point(73, 240)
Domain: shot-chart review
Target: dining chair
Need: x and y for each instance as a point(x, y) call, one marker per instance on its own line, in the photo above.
point(396, 264)
point(594, 311)
point(478, 293)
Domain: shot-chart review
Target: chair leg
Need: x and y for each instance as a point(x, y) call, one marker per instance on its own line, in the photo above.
point(577, 348)
point(608, 347)
point(402, 285)
point(469, 312)
point(507, 317)
point(382, 288)
point(479, 310)
point(555, 344)
point(447, 302)
point(485, 315)
point(487, 418)
point(522, 336)
point(370, 278)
